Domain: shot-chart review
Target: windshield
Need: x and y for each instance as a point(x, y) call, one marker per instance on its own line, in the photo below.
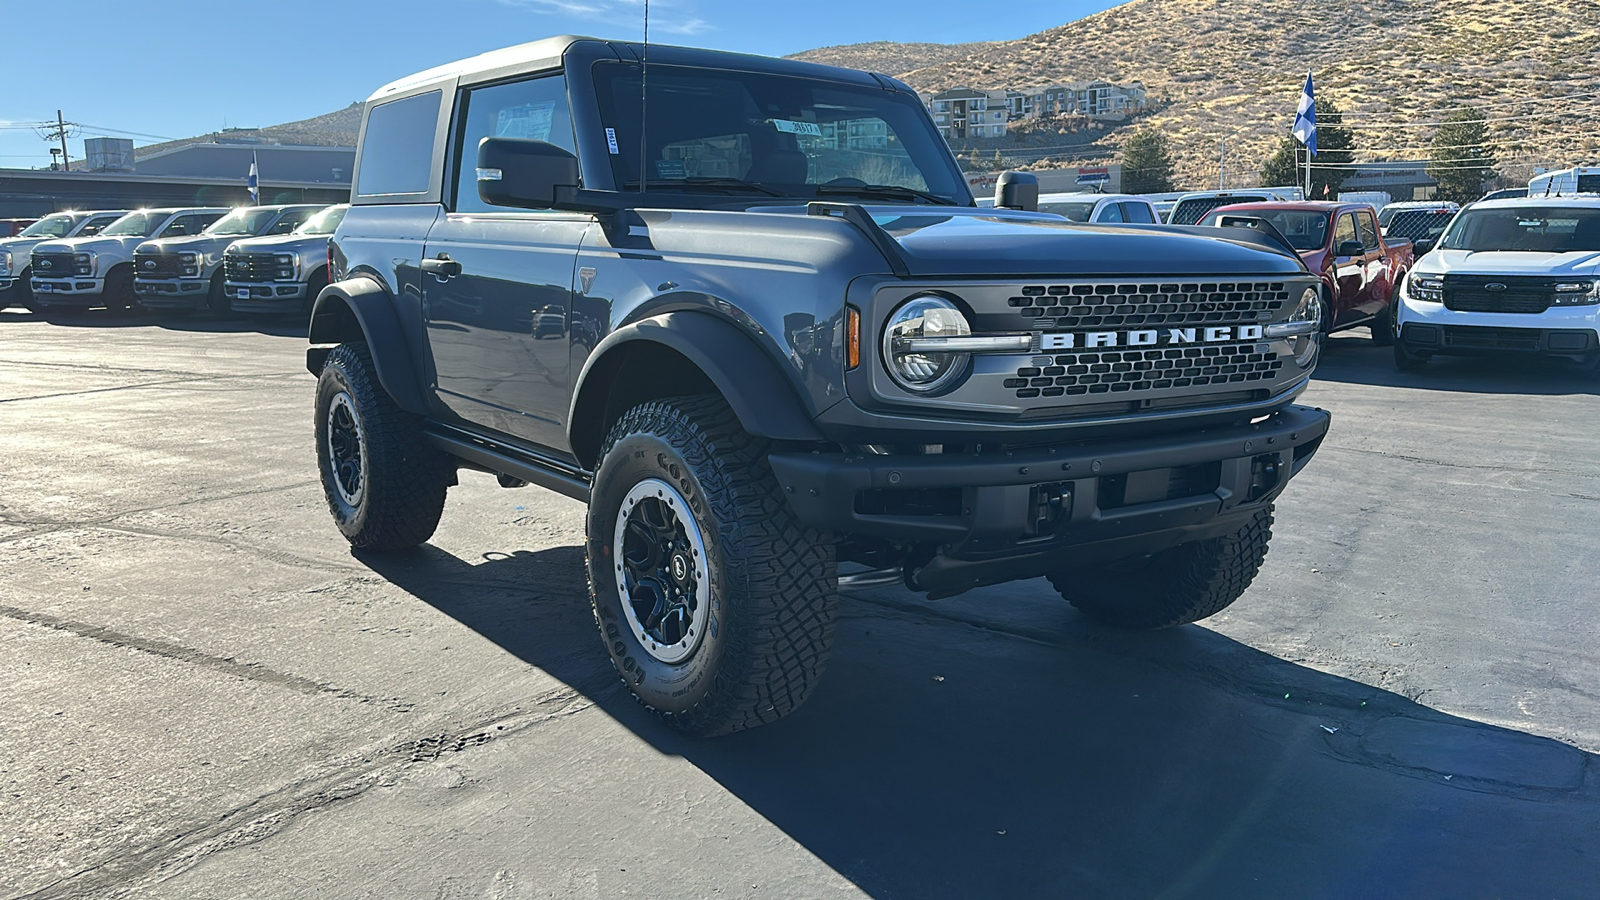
point(245, 220)
point(48, 227)
point(1542, 229)
point(726, 132)
point(1305, 230)
point(325, 222)
point(1076, 210)
point(136, 224)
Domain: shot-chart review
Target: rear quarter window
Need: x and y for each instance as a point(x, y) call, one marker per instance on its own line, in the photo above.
point(397, 147)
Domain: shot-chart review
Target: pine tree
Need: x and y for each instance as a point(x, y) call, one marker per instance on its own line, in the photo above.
point(1459, 158)
point(1146, 164)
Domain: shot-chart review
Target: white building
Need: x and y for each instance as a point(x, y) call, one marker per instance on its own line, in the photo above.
point(962, 113)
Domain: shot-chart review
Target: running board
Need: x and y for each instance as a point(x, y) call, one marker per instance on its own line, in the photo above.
point(504, 460)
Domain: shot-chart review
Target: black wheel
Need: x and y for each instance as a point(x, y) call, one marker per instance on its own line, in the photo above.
point(384, 483)
point(716, 605)
point(313, 288)
point(1407, 361)
point(24, 291)
point(217, 297)
point(1384, 327)
point(1177, 586)
point(118, 292)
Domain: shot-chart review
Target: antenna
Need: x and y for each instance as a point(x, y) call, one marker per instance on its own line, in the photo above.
point(644, 104)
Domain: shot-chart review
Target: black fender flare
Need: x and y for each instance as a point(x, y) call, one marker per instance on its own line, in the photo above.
point(360, 310)
point(766, 402)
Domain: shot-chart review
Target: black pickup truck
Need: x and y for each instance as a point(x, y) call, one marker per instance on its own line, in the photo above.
point(753, 317)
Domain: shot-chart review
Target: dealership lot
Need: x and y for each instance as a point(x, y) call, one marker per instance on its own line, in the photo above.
point(207, 694)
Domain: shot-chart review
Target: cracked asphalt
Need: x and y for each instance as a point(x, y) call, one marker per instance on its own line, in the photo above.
point(206, 694)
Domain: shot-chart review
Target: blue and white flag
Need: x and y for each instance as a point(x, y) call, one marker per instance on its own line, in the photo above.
point(1305, 119)
point(254, 182)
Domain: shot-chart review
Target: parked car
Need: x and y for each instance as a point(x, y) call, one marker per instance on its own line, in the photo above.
point(183, 274)
point(1565, 182)
point(281, 275)
point(84, 272)
point(14, 227)
point(16, 253)
point(808, 355)
point(1193, 206)
point(1340, 242)
point(1389, 211)
point(1100, 208)
point(1516, 276)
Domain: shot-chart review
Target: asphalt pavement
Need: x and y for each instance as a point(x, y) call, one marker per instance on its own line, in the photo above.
point(205, 693)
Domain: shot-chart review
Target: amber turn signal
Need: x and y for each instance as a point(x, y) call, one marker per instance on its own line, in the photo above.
point(852, 338)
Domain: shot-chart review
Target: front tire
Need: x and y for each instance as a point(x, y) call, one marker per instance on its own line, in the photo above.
point(1384, 325)
point(716, 605)
point(1177, 586)
point(384, 483)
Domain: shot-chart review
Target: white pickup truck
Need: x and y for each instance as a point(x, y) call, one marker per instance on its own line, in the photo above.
point(1519, 275)
point(76, 274)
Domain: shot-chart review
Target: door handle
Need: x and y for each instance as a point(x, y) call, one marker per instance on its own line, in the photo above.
point(442, 268)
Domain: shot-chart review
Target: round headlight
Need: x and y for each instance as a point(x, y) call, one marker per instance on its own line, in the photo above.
point(1309, 310)
point(921, 368)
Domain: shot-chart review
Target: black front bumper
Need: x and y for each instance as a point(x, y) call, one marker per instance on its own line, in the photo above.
point(1474, 340)
point(998, 516)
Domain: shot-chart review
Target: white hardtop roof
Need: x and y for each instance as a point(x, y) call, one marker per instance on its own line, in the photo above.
point(547, 51)
point(1541, 202)
point(1089, 195)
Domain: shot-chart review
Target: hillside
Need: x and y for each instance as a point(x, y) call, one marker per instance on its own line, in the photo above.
point(891, 58)
point(1234, 68)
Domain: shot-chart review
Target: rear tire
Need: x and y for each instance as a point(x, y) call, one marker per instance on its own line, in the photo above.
point(716, 605)
point(1177, 586)
point(384, 482)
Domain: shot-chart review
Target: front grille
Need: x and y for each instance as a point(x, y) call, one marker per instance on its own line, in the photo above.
point(156, 265)
point(53, 265)
point(1119, 371)
point(1479, 338)
point(251, 267)
point(1519, 294)
point(1149, 305)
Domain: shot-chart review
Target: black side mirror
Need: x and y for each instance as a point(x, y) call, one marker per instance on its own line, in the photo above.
point(1017, 190)
point(524, 173)
point(1351, 248)
point(1422, 245)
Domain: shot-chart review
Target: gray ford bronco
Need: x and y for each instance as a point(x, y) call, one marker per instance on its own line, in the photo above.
point(749, 312)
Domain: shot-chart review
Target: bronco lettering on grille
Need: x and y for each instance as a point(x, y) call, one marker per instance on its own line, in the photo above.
point(1150, 337)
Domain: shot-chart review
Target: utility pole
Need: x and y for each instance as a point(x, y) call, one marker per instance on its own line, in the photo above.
point(1222, 167)
point(60, 133)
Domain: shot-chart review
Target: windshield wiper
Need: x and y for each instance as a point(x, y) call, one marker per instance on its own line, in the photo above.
point(884, 190)
point(725, 183)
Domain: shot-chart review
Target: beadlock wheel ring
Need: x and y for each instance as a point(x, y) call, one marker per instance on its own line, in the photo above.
point(347, 449)
point(659, 561)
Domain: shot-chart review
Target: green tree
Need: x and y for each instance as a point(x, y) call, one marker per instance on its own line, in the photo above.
point(1146, 163)
point(1460, 158)
point(1329, 168)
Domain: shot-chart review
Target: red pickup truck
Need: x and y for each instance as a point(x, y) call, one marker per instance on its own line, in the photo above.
point(1340, 242)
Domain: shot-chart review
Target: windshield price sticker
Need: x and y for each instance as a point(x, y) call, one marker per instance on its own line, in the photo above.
point(530, 122)
point(789, 126)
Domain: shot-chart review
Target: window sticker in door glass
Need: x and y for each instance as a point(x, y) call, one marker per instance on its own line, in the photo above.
point(530, 121)
point(788, 126)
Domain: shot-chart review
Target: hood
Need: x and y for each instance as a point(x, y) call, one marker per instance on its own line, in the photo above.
point(1583, 264)
point(203, 243)
point(97, 244)
point(282, 243)
point(967, 241)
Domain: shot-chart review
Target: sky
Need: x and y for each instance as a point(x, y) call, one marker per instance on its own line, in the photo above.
point(163, 69)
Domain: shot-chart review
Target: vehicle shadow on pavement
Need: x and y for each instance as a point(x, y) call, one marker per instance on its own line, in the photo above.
point(199, 322)
point(1352, 359)
point(954, 753)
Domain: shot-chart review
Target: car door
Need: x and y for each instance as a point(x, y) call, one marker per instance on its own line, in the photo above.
point(1375, 277)
point(498, 298)
point(1349, 272)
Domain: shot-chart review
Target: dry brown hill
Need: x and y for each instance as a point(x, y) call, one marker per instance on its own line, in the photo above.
point(891, 58)
point(1234, 68)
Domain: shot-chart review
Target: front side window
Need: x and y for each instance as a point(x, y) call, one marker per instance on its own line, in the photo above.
point(96, 225)
point(1138, 213)
point(397, 146)
point(1111, 213)
point(136, 224)
point(290, 220)
point(1369, 230)
point(1540, 229)
point(49, 227)
point(1344, 231)
point(729, 132)
point(532, 110)
point(193, 223)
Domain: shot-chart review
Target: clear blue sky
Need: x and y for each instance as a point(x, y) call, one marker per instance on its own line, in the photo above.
point(177, 68)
